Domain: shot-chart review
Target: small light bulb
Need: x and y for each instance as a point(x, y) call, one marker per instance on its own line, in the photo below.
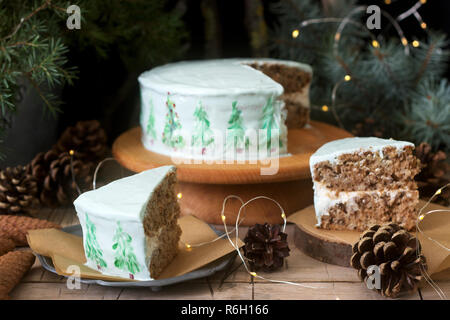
point(253, 274)
point(438, 192)
point(188, 246)
point(223, 218)
point(347, 77)
point(387, 1)
point(375, 44)
point(423, 1)
point(404, 41)
point(325, 108)
point(295, 33)
point(179, 195)
point(423, 25)
point(283, 215)
point(415, 43)
point(337, 36)
point(421, 217)
point(71, 152)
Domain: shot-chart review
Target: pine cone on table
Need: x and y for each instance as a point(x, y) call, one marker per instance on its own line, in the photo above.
point(266, 247)
point(18, 191)
point(13, 266)
point(393, 250)
point(433, 174)
point(53, 173)
point(86, 138)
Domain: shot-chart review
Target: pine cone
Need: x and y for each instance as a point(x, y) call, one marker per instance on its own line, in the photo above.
point(18, 191)
point(266, 247)
point(393, 250)
point(16, 228)
point(86, 138)
point(433, 174)
point(13, 266)
point(54, 176)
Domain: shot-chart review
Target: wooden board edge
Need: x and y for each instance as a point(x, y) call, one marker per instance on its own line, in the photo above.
point(321, 249)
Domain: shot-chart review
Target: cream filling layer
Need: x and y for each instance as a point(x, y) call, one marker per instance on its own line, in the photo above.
point(325, 198)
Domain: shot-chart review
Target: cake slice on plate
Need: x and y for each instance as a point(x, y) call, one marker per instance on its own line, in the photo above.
point(363, 181)
point(130, 225)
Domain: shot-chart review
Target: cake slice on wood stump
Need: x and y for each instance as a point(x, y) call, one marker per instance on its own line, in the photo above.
point(130, 226)
point(359, 182)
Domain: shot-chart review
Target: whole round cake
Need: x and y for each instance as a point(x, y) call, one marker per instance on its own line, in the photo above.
point(221, 109)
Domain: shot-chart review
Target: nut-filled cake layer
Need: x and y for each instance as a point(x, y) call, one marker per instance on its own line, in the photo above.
point(360, 211)
point(369, 170)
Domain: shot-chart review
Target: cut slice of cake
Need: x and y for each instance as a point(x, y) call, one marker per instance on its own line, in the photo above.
point(296, 80)
point(130, 225)
point(359, 182)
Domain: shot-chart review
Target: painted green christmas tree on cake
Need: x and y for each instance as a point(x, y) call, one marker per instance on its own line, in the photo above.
point(124, 257)
point(170, 137)
point(236, 135)
point(202, 136)
point(151, 121)
point(268, 124)
point(91, 245)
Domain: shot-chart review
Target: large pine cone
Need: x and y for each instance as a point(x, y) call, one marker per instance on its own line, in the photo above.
point(18, 191)
point(54, 176)
point(86, 138)
point(397, 254)
point(434, 173)
point(266, 247)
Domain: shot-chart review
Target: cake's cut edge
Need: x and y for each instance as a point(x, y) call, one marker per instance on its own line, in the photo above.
point(365, 169)
point(359, 210)
point(295, 79)
point(161, 228)
point(359, 182)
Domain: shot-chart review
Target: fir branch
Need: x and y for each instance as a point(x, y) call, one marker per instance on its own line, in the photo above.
point(391, 94)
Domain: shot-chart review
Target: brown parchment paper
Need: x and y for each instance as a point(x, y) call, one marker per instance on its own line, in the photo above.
point(67, 250)
point(435, 225)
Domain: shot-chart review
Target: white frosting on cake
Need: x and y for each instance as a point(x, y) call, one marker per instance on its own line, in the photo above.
point(209, 77)
point(332, 150)
point(119, 203)
point(324, 198)
point(172, 94)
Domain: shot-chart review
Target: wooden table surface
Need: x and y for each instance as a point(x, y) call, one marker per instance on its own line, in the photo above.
point(330, 281)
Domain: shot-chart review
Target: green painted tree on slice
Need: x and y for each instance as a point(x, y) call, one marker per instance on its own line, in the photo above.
point(124, 257)
point(236, 133)
point(202, 135)
point(268, 123)
point(151, 121)
point(169, 136)
point(91, 245)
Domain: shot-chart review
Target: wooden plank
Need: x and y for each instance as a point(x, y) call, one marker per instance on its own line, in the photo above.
point(59, 291)
point(323, 291)
point(189, 290)
point(233, 291)
point(428, 293)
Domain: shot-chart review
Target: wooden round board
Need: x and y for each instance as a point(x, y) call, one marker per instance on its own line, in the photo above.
point(330, 246)
point(130, 152)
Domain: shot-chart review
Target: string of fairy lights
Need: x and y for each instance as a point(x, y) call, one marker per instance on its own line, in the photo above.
point(235, 243)
point(413, 11)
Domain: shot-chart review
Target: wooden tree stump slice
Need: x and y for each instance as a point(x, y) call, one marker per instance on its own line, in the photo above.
point(335, 246)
